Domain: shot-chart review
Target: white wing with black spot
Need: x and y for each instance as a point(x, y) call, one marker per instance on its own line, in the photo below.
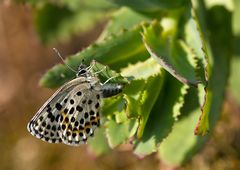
point(45, 124)
point(71, 114)
point(80, 116)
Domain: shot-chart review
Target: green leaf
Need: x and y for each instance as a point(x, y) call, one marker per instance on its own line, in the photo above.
point(132, 95)
point(186, 61)
point(119, 133)
point(181, 144)
point(149, 96)
point(123, 19)
point(170, 150)
point(55, 23)
point(137, 90)
point(170, 55)
point(222, 53)
point(115, 52)
point(112, 105)
point(142, 70)
point(99, 144)
point(236, 16)
point(220, 62)
point(234, 79)
point(162, 117)
point(121, 117)
point(235, 63)
point(73, 5)
point(197, 47)
point(229, 4)
point(49, 21)
point(87, 4)
point(141, 95)
point(150, 5)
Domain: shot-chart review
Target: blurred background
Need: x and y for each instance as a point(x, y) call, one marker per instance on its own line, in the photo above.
point(24, 59)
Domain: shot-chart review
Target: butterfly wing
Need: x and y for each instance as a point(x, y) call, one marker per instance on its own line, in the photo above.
point(80, 116)
point(45, 124)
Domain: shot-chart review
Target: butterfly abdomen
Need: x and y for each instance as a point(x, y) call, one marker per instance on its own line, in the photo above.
point(109, 90)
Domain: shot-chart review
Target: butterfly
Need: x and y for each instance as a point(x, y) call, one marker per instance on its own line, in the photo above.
point(71, 114)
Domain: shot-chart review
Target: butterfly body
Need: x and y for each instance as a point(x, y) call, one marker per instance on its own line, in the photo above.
point(71, 114)
point(110, 90)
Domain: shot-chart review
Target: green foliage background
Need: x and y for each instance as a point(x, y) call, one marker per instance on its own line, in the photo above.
point(174, 58)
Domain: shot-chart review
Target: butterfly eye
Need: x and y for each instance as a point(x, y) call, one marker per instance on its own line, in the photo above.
point(82, 72)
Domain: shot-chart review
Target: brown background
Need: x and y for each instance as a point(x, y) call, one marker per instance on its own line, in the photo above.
point(23, 60)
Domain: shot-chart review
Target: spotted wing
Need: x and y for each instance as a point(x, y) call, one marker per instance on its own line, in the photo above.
point(45, 124)
point(80, 116)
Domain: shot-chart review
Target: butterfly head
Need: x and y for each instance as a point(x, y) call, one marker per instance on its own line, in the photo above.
point(83, 71)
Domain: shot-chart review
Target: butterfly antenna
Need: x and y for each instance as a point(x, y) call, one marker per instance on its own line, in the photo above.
point(104, 68)
point(109, 79)
point(59, 55)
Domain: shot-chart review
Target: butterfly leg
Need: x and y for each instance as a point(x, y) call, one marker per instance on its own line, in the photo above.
point(108, 80)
